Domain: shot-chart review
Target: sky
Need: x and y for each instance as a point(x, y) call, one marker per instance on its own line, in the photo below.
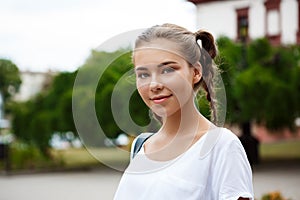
point(58, 35)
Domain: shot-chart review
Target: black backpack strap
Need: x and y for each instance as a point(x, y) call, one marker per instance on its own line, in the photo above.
point(139, 141)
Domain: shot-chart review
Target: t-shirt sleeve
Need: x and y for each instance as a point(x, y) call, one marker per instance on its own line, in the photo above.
point(235, 174)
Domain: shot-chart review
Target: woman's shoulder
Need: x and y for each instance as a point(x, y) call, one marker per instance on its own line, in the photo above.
point(227, 139)
point(215, 139)
point(220, 138)
point(222, 134)
point(228, 135)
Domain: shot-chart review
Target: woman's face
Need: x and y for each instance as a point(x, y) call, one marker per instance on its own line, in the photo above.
point(164, 79)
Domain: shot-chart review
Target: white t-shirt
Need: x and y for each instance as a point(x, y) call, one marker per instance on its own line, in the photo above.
point(214, 168)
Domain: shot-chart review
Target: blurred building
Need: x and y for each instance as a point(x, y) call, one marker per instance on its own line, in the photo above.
point(32, 84)
point(277, 20)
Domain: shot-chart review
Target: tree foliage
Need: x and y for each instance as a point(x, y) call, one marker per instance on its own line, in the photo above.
point(9, 78)
point(267, 90)
point(51, 111)
point(35, 120)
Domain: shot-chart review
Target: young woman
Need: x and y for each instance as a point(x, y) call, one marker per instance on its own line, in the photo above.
point(189, 157)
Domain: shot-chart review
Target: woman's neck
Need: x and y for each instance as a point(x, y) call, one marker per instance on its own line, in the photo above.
point(178, 132)
point(185, 121)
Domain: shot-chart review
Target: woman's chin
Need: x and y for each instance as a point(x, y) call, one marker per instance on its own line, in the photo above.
point(163, 113)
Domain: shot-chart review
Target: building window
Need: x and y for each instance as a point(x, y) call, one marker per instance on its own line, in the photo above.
point(242, 24)
point(273, 21)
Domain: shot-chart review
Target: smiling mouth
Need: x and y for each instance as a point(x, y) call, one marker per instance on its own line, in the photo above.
point(160, 99)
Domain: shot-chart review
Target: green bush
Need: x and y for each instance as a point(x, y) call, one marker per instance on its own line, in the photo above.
point(28, 157)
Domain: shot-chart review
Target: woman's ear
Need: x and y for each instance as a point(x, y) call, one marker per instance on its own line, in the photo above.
point(197, 72)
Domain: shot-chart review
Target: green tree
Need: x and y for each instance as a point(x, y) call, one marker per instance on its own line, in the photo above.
point(266, 90)
point(270, 79)
point(51, 111)
point(35, 120)
point(31, 123)
point(9, 78)
point(58, 100)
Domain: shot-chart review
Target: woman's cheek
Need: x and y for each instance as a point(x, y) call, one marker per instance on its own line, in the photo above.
point(143, 92)
point(181, 88)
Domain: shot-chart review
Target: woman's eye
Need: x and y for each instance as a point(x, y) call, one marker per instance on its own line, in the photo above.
point(168, 70)
point(143, 75)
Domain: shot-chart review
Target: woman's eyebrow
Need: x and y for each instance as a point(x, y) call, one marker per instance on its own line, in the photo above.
point(166, 63)
point(140, 68)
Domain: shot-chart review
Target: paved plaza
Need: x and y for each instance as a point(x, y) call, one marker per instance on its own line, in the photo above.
point(99, 184)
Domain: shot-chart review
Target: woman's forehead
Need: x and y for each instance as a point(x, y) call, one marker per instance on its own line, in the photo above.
point(157, 51)
point(153, 56)
point(160, 43)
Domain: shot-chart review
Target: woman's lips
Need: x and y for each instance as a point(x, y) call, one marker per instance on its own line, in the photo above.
point(160, 99)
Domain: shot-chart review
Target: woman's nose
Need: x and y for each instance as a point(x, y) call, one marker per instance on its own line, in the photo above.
point(155, 86)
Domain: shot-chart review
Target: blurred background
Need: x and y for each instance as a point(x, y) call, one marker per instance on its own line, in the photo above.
point(44, 44)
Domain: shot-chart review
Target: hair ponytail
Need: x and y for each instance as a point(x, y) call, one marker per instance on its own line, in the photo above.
point(208, 52)
point(208, 42)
